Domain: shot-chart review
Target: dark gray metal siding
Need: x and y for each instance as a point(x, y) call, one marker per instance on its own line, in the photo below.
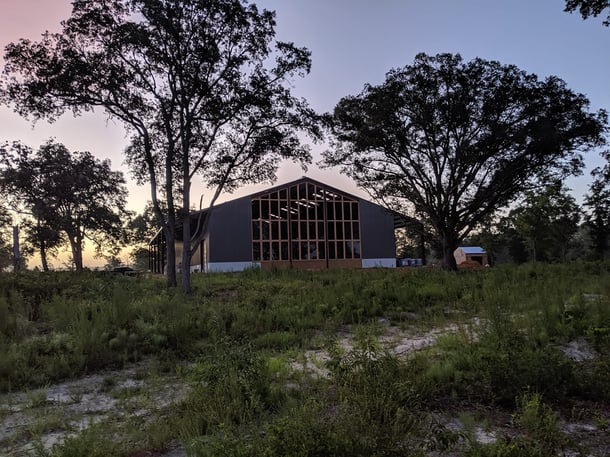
point(230, 232)
point(377, 232)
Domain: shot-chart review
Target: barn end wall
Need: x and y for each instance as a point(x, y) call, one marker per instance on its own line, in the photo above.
point(230, 235)
point(377, 236)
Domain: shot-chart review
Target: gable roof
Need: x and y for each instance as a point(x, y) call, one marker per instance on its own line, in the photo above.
point(473, 249)
point(304, 179)
point(400, 220)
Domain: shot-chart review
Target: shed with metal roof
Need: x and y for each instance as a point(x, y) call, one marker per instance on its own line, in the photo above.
point(467, 255)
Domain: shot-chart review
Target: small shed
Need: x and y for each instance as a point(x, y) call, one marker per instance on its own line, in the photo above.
point(468, 255)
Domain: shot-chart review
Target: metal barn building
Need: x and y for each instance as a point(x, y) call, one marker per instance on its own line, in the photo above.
point(302, 224)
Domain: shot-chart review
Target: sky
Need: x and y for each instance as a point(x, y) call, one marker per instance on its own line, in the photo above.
point(355, 42)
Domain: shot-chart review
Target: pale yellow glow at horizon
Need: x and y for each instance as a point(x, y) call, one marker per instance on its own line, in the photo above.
point(353, 43)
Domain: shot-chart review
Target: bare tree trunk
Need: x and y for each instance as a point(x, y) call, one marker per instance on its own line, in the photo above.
point(170, 241)
point(450, 244)
point(16, 251)
point(43, 257)
point(449, 262)
point(169, 226)
point(186, 229)
point(77, 258)
point(169, 232)
point(172, 279)
point(186, 253)
point(76, 246)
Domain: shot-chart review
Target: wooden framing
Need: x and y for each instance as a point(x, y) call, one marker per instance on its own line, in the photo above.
point(305, 225)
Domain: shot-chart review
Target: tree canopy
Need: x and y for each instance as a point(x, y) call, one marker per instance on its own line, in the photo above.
point(588, 8)
point(141, 229)
point(200, 84)
point(547, 220)
point(597, 202)
point(69, 192)
point(451, 142)
point(43, 236)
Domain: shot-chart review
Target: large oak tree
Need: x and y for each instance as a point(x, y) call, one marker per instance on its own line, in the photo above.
point(65, 192)
point(201, 86)
point(451, 142)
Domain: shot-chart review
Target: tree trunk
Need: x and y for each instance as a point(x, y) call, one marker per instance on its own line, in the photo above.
point(450, 244)
point(449, 262)
point(169, 227)
point(16, 251)
point(43, 257)
point(186, 229)
point(169, 233)
point(186, 252)
point(170, 242)
point(422, 244)
point(77, 252)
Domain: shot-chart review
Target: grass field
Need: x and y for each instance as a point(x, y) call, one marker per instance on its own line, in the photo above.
point(508, 361)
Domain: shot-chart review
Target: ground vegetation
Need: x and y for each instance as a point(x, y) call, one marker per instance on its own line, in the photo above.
point(509, 361)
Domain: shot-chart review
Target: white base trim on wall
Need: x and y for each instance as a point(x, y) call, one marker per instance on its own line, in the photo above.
point(214, 267)
point(379, 263)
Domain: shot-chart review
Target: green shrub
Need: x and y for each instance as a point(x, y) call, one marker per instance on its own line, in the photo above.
point(592, 380)
point(539, 436)
point(231, 386)
point(94, 441)
point(277, 340)
point(493, 370)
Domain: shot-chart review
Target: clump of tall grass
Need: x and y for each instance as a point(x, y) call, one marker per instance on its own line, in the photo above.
point(539, 433)
point(493, 370)
point(362, 409)
point(91, 323)
point(107, 320)
point(231, 389)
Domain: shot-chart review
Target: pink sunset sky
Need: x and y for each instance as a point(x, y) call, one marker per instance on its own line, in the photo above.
point(354, 42)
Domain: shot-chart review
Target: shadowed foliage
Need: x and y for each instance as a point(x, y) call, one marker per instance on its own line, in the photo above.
point(451, 142)
point(588, 8)
point(65, 192)
point(201, 86)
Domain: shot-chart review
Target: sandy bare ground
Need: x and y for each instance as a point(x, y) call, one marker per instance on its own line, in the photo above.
point(44, 417)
